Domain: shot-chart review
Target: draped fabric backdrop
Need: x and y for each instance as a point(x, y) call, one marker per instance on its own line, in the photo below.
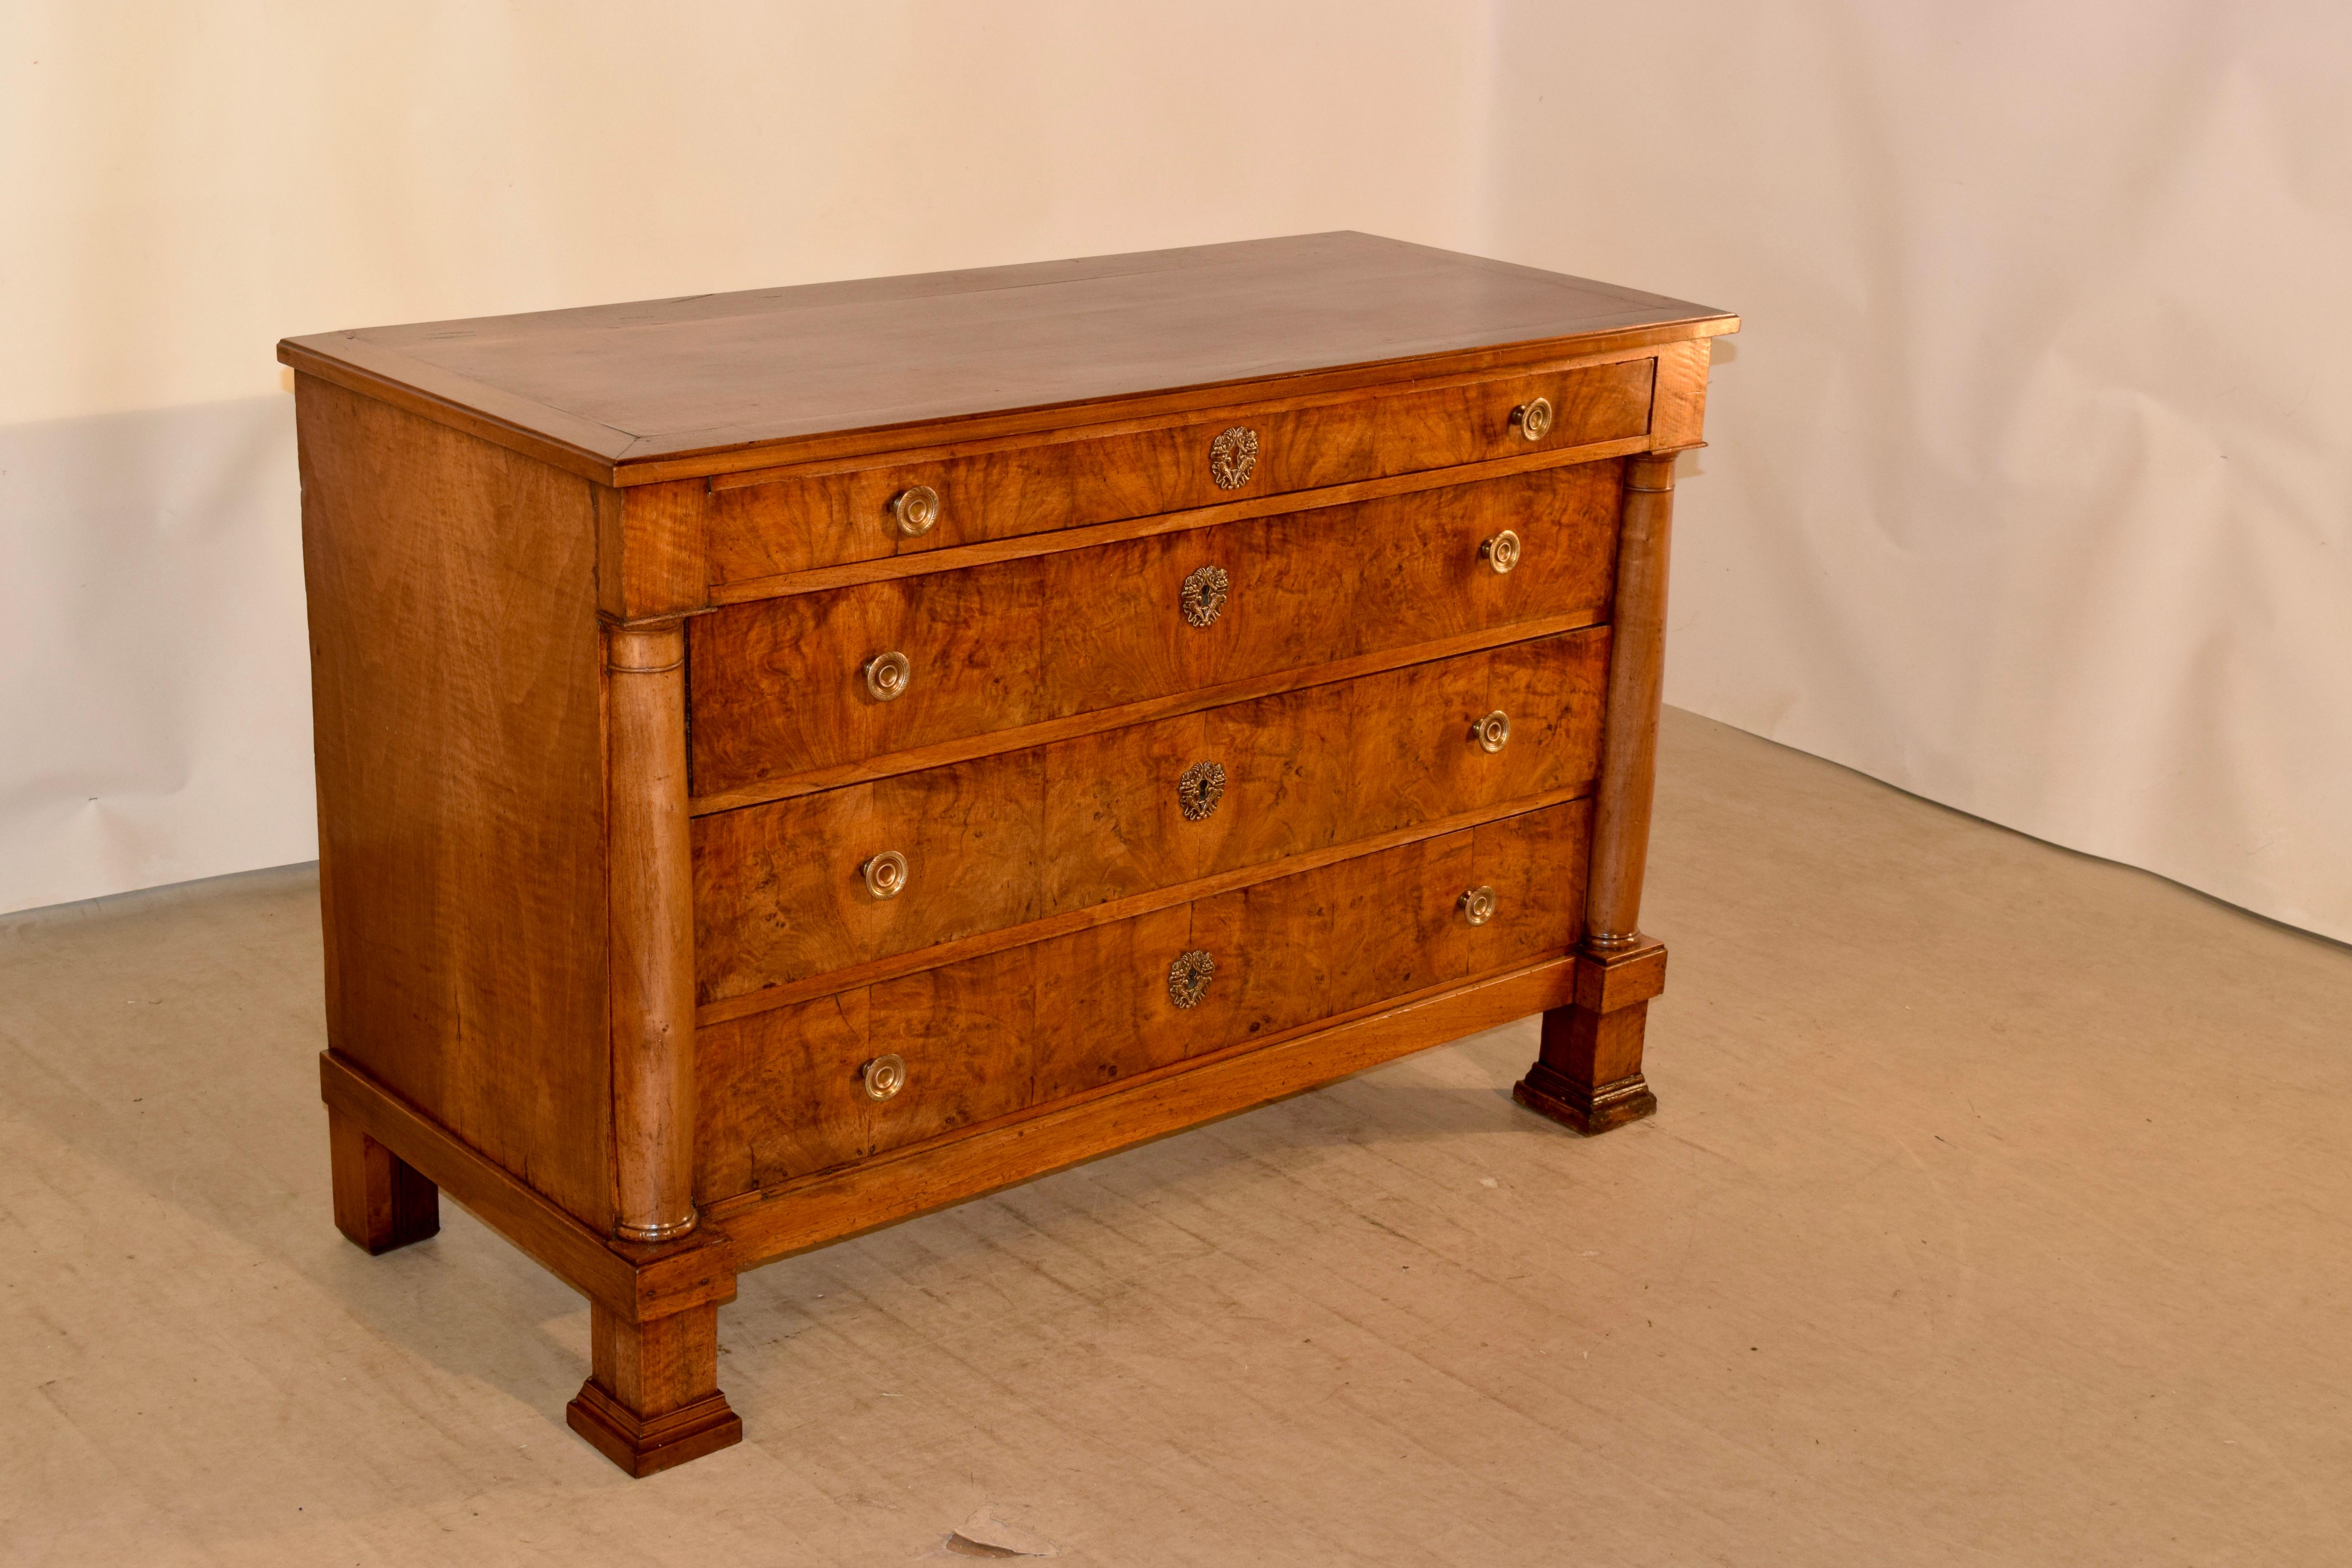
point(2029, 484)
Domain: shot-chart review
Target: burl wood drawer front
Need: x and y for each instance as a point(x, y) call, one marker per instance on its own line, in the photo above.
point(766, 527)
point(779, 687)
point(782, 1093)
point(1019, 835)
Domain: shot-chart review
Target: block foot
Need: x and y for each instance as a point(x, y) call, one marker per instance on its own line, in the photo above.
point(653, 1401)
point(1582, 1109)
point(381, 1201)
point(645, 1445)
point(1589, 1073)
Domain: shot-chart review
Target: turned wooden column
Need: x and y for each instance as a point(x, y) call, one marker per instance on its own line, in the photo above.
point(652, 905)
point(1589, 1074)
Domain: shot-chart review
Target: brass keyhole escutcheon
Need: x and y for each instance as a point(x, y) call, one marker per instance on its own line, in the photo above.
point(1189, 977)
point(886, 874)
point(1533, 420)
point(1204, 595)
point(1477, 905)
point(1199, 788)
point(917, 508)
point(884, 1076)
point(888, 676)
point(1231, 456)
point(1492, 732)
point(1501, 552)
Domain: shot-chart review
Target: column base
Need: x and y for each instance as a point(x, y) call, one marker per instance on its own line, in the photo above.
point(1584, 1109)
point(651, 1397)
point(644, 1445)
point(1589, 1075)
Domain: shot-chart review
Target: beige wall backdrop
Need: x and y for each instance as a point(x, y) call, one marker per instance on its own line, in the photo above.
point(2029, 484)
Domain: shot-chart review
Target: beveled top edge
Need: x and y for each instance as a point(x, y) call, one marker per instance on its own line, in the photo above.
point(716, 383)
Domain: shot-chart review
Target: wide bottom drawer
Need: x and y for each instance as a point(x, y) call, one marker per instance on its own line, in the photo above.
point(783, 1092)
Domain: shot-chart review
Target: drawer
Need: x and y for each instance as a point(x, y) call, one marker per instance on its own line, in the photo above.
point(762, 528)
point(782, 1093)
point(1021, 835)
point(779, 687)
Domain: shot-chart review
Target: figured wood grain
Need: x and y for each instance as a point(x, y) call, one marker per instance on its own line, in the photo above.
point(986, 1038)
point(740, 380)
point(1093, 424)
point(786, 1093)
point(1536, 866)
point(811, 1211)
point(1306, 947)
point(1391, 924)
point(882, 569)
point(797, 992)
point(800, 1066)
point(1021, 835)
point(1103, 1009)
point(963, 748)
point(780, 892)
point(1331, 584)
point(778, 688)
point(1007, 491)
point(1314, 769)
point(972, 1027)
point(456, 682)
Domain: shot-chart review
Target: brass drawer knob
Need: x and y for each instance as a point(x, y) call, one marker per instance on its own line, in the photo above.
point(886, 874)
point(1477, 905)
point(888, 676)
point(1501, 552)
point(1204, 595)
point(884, 1076)
point(1492, 732)
point(1189, 977)
point(1231, 456)
point(1533, 420)
point(917, 508)
point(1199, 788)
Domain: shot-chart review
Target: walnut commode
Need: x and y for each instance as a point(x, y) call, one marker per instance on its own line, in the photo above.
point(789, 761)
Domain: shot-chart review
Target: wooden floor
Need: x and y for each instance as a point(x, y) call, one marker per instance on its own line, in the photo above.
point(1998, 1212)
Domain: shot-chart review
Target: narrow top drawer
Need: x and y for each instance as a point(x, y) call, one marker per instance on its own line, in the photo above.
point(772, 524)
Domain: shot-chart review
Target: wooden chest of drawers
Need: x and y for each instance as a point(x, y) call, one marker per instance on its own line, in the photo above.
point(792, 760)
